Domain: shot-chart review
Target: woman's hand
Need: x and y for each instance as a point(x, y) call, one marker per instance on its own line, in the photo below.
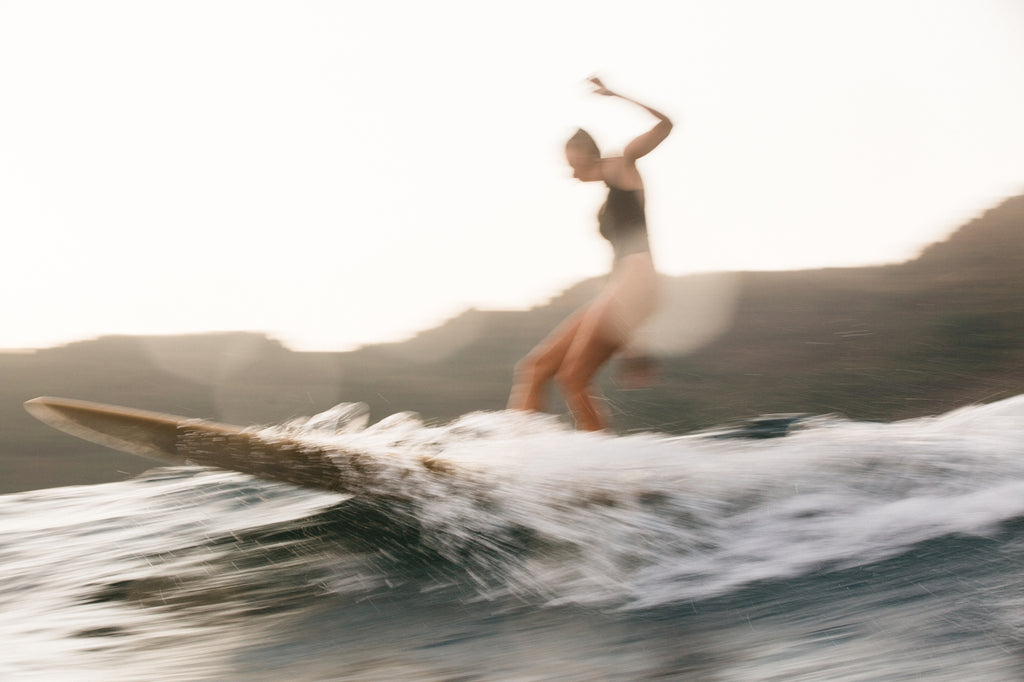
point(599, 87)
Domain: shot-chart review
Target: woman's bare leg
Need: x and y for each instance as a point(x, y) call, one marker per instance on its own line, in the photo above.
point(574, 352)
point(533, 372)
point(593, 345)
point(606, 328)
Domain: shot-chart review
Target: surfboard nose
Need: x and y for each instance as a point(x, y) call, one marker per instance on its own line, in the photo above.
point(149, 434)
point(171, 438)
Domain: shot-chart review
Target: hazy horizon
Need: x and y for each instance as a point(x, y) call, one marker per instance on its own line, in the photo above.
point(428, 325)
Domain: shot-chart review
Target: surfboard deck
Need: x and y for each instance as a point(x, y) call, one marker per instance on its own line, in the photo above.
point(181, 440)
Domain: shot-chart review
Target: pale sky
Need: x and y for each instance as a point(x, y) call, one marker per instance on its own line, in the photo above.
point(340, 173)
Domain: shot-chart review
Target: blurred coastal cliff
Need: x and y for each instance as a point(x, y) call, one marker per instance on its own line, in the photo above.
point(879, 343)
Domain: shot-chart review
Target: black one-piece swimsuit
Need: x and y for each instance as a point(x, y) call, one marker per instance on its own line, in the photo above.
point(623, 222)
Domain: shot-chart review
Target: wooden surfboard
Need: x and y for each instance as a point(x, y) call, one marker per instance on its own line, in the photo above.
point(180, 440)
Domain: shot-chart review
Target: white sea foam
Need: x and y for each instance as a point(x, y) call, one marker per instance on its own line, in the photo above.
point(648, 519)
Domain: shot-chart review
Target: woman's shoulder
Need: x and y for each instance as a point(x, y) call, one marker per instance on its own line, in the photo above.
point(621, 173)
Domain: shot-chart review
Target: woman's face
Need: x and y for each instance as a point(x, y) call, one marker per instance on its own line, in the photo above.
point(585, 166)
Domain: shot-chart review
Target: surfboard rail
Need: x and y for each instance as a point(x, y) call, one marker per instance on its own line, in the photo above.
point(176, 439)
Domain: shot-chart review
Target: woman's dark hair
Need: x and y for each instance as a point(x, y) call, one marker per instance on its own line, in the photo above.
point(582, 141)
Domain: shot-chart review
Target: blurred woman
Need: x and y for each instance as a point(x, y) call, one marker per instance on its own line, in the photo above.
point(574, 352)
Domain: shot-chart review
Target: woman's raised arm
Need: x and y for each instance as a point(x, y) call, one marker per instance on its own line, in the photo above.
point(645, 143)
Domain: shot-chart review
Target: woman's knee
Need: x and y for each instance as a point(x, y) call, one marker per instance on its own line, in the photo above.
point(533, 367)
point(571, 379)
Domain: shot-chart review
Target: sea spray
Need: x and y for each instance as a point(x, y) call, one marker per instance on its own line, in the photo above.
point(646, 520)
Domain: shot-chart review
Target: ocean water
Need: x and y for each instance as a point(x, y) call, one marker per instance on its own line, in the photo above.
point(844, 551)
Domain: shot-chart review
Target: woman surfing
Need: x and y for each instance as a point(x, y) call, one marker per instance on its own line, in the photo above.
point(574, 352)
